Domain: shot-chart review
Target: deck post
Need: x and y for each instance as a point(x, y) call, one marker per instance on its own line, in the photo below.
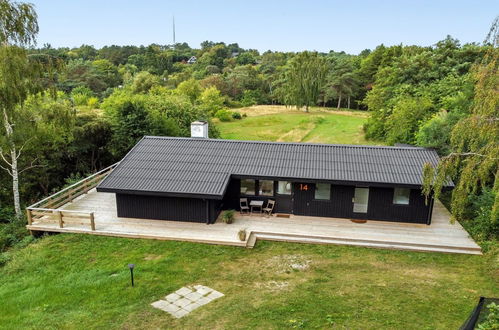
point(92, 221)
point(29, 216)
point(59, 217)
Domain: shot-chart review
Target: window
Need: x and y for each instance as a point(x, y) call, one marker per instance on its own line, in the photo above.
point(284, 188)
point(322, 191)
point(266, 188)
point(247, 187)
point(361, 200)
point(401, 196)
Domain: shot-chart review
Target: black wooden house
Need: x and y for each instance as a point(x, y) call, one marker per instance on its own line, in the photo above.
point(193, 179)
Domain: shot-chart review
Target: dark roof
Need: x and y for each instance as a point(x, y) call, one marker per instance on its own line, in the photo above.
point(203, 167)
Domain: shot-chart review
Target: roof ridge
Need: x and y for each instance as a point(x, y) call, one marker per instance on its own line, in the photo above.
point(287, 143)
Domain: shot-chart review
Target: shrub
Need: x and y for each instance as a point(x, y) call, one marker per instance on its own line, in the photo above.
point(12, 233)
point(236, 115)
point(224, 115)
point(228, 216)
point(4, 258)
point(491, 322)
point(81, 95)
point(93, 102)
point(482, 226)
point(242, 235)
point(80, 99)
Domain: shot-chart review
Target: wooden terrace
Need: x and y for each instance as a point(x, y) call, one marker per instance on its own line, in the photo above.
point(81, 209)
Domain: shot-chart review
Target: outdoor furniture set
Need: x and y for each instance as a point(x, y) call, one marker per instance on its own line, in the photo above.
point(256, 207)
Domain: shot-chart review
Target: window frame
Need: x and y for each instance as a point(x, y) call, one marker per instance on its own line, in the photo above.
point(322, 199)
point(255, 186)
point(395, 189)
point(273, 188)
point(290, 188)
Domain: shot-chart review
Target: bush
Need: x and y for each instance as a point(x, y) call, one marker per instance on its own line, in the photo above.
point(228, 216)
point(80, 99)
point(491, 322)
point(224, 115)
point(93, 102)
point(81, 95)
point(236, 115)
point(482, 226)
point(12, 233)
point(4, 258)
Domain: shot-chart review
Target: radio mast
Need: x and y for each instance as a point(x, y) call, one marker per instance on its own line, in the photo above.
point(173, 32)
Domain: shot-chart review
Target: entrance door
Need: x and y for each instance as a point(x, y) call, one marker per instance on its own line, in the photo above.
point(303, 193)
point(284, 197)
point(361, 200)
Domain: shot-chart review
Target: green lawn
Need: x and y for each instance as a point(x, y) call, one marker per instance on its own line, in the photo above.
point(319, 126)
point(76, 281)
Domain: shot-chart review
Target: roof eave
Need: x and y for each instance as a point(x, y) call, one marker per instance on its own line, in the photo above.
point(159, 193)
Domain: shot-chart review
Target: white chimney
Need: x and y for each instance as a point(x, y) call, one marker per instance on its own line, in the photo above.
point(199, 129)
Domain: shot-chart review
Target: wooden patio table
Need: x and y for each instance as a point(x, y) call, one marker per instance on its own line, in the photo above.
point(256, 204)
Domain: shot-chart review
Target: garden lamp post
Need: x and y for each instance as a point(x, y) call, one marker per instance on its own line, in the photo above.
point(131, 266)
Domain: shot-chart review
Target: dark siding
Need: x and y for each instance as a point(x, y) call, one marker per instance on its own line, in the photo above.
point(215, 209)
point(381, 206)
point(161, 208)
point(231, 197)
point(340, 205)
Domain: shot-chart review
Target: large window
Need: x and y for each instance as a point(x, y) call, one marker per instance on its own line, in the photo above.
point(266, 188)
point(284, 188)
point(322, 191)
point(247, 187)
point(401, 196)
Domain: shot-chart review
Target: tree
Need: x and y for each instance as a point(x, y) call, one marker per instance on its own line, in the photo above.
point(144, 81)
point(191, 88)
point(304, 79)
point(18, 25)
point(474, 160)
point(343, 85)
point(211, 100)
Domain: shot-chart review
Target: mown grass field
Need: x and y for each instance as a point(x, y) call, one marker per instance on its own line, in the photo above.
point(278, 123)
point(75, 281)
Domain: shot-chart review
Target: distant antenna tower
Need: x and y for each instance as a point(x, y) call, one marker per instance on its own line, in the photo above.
point(173, 32)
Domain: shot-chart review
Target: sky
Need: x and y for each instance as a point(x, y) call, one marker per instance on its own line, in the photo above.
point(348, 25)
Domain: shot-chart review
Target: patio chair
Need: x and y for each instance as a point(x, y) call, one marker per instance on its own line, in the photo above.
point(243, 206)
point(269, 208)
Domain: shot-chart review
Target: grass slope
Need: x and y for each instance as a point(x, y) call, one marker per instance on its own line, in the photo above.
point(277, 123)
point(75, 281)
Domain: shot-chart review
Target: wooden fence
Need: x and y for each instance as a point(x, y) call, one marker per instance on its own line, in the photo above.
point(48, 210)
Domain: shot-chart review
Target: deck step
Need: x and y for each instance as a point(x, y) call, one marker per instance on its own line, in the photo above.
point(254, 236)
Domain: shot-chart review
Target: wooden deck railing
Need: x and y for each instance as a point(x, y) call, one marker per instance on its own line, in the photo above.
point(49, 209)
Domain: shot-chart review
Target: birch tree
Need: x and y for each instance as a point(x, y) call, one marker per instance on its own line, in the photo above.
point(18, 28)
point(304, 80)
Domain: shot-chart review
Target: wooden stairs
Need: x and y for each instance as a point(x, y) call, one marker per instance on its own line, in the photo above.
point(313, 239)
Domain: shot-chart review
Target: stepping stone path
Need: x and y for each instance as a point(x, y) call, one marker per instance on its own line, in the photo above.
point(186, 299)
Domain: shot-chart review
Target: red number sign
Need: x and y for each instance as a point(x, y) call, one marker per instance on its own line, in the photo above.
point(303, 187)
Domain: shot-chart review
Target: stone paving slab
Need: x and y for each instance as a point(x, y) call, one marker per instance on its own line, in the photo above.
point(186, 299)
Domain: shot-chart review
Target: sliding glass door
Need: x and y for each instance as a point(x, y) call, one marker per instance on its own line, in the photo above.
point(361, 200)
